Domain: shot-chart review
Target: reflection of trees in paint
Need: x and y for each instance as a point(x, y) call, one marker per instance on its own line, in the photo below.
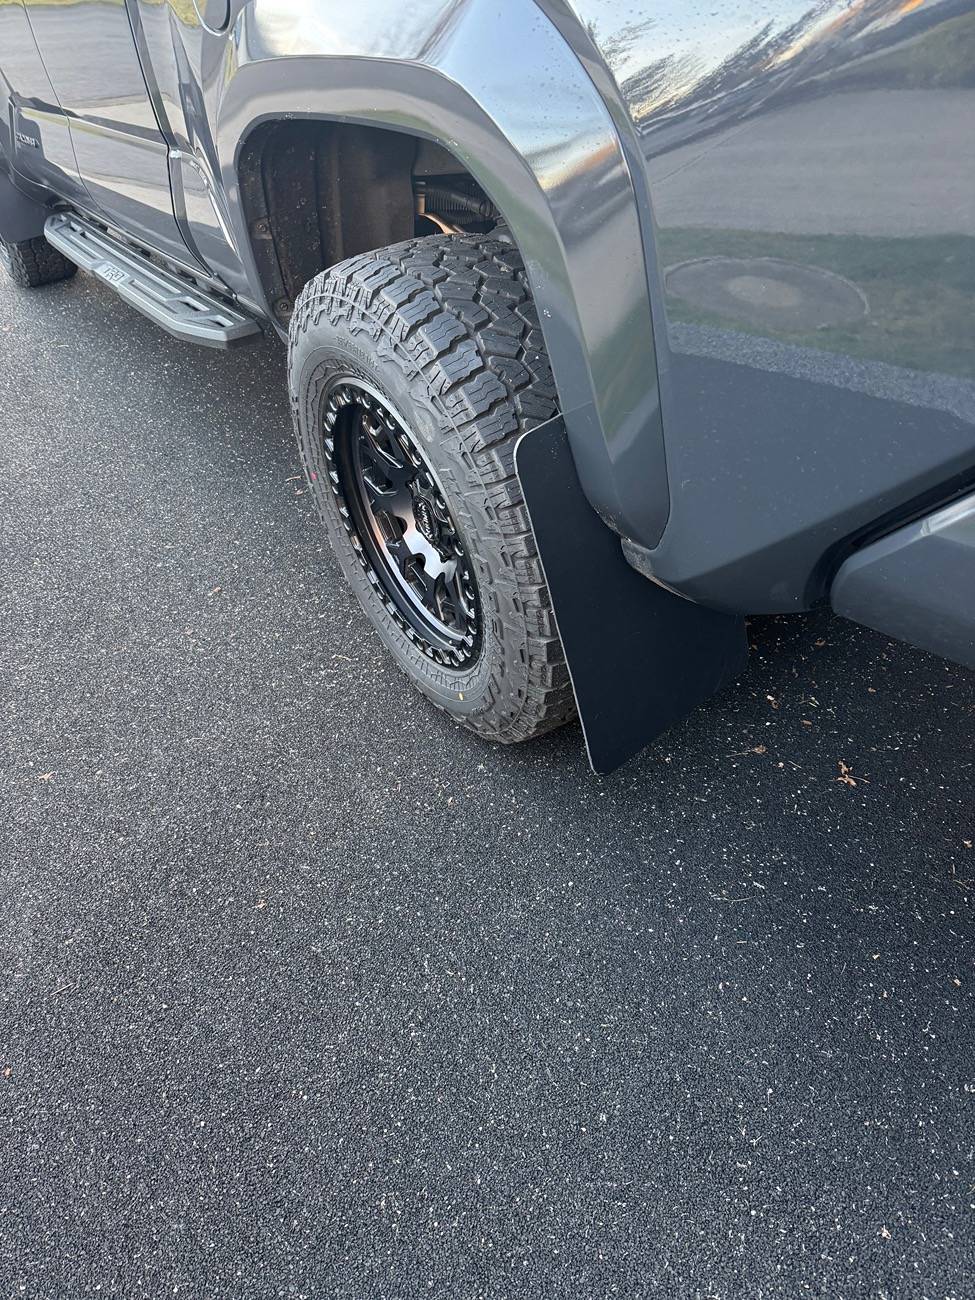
point(658, 81)
point(617, 47)
point(664, 82)
point(820, 43)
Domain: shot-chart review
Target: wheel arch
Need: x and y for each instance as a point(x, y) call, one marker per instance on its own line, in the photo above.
point(551, 161)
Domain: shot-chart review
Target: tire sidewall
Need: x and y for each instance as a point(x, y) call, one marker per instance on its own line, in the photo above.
point(362, 346)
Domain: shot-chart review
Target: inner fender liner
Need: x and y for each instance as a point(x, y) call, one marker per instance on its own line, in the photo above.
point(640, 658)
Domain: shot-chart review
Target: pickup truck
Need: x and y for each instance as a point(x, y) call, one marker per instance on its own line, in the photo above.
point(610, 322)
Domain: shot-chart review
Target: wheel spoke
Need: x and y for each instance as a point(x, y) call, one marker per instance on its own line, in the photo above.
point(400, 554)
point(381, 445)
point(387, 497)
point(382, 474)
point(446, 599)
point(402, 527)
point(390, 527)
point(456, 597)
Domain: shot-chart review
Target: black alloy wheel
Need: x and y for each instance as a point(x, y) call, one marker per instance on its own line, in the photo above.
point(399, 523)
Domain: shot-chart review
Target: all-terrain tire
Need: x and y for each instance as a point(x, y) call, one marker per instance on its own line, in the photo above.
point(33, 262)
point(445, 329)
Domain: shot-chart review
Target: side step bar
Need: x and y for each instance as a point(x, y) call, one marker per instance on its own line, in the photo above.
point(181, 307)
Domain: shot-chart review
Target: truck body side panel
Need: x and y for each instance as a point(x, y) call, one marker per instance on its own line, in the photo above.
point(811, 171)
point(90, 54)
point(34, 133)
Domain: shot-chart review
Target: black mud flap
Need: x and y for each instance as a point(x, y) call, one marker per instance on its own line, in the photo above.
point(639, 657)
point(21, 217)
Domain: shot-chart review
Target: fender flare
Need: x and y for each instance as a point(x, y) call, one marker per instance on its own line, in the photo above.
point(513, 103)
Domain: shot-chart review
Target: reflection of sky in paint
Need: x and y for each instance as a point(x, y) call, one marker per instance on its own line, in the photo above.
point(672, 27)
point(632, 34)
point(368, 27)
point(682, 44)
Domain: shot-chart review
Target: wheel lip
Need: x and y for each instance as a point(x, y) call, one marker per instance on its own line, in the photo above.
point(447, 650)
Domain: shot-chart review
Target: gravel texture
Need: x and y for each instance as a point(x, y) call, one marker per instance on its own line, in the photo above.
point(307, 993)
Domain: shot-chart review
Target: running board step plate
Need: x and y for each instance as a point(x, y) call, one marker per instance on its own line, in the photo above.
point(181, 307)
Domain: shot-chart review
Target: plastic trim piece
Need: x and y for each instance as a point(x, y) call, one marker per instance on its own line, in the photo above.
point(918, 584)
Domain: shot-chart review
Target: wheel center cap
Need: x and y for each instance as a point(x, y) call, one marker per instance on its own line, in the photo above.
point(425, 519)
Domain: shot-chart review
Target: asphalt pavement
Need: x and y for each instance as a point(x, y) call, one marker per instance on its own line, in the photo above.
point(308, 993)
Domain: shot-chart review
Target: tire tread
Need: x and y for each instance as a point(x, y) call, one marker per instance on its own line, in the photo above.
point(460, 310)
point(31, 263)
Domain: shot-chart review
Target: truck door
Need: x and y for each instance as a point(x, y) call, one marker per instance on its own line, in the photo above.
point(34, 135)
point(123, 157)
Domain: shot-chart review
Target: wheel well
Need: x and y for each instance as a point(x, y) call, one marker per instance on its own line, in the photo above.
point(314, 192)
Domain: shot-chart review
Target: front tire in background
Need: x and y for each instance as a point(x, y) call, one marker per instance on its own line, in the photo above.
point(413, 370)
point(33, 262)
